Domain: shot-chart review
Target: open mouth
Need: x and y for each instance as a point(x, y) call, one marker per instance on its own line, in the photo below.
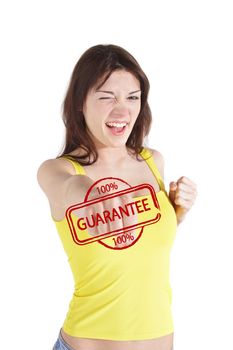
point(116, 128)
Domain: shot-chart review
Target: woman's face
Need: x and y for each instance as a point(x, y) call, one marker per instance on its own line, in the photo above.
point(117, 102)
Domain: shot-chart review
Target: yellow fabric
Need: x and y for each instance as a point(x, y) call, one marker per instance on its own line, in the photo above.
point(122, 294)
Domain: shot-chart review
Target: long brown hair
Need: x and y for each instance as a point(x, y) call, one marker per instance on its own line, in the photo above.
point(95, 66)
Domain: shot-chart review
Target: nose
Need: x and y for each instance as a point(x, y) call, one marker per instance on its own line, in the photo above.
point(121, 105)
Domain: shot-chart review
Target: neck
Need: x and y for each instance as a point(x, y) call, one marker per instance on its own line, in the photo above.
point(112, 156)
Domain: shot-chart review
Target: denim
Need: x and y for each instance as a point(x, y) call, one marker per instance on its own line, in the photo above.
point(61, 344)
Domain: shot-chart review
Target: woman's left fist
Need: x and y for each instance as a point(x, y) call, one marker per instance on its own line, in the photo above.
point(182, 194)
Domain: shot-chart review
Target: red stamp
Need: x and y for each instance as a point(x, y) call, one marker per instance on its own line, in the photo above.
point(113, 217)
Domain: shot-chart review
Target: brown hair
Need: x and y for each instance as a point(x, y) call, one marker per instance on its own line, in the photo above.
point(95, 66)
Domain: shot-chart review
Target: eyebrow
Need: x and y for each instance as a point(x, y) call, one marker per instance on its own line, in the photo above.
point(112, 93)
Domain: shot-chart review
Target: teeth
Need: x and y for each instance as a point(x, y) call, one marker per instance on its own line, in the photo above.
point(117, 125)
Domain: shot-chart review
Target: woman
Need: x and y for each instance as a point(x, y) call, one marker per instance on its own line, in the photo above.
point(115, 220)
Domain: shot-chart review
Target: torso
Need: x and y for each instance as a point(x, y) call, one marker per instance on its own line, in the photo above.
point(135, 173)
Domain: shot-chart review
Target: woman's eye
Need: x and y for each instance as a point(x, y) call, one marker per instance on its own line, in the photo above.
point(130, 98)
point(134, 97)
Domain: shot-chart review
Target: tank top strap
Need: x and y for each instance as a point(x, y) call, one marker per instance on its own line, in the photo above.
point(78, 167)
point(147, 155)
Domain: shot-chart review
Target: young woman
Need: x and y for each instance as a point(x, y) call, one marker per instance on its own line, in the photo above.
point(111, 210)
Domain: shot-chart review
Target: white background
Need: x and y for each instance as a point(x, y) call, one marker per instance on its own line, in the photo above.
point(185, 49)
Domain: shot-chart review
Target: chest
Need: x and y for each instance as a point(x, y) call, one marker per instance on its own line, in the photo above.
point(136, 173)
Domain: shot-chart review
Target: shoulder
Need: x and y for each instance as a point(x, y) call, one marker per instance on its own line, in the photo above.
point(60, 164)
point(158, 159)
point(157, 155)
point(51, 167)
point(54, 177)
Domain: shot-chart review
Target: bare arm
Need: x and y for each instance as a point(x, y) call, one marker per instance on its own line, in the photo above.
point(60, 184)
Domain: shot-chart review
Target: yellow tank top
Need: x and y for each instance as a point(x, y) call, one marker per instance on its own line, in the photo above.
point(122, 294)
